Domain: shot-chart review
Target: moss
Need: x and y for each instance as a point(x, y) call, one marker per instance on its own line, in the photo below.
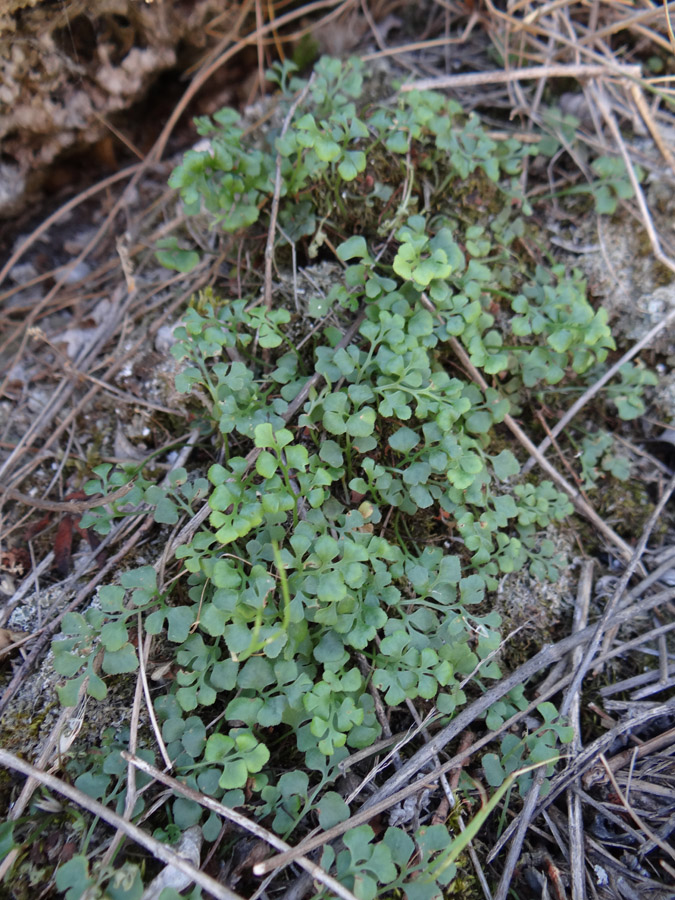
point(625, 506)
point(22, 727)
point(661, 275)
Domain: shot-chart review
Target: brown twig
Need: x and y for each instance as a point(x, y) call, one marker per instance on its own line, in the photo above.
point(644, 748)
point(581, 505)
point(274, 210)
point(574, 809)
point(65, 506)
point(581, 70)
point(142, 659)
point(663, 258)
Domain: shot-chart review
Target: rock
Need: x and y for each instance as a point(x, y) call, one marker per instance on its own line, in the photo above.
point(66, 67)
point(189, 847)
point(12, 189)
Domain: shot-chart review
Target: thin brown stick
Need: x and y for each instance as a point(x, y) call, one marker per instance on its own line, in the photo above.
point(574, 809)
point(470, 79)
point(274, 210)
point(11, 648)
point(561, 456)
point(242, 821)
point(81, 256)
point(644, 748)
point(639, 99)
point(157, 848)
point(65, 506)
point(624, 23)
point(124, 396)
point(142, 659)
point(424, 45)
point(230, 36)
point(601, 99)
point(259, 21)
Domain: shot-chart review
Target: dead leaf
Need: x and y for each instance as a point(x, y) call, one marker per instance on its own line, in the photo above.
point(36, 527)
point(15, 561)
point(8, 638)
point(245, 854)
point(63, 546)
point(189, 847)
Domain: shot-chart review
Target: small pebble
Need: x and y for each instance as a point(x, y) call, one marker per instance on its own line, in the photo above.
point(77, 273)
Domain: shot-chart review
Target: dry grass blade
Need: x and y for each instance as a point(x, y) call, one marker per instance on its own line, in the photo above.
point(647, 221)
point(66, 506)
point(143, 675)
point(644, 828)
